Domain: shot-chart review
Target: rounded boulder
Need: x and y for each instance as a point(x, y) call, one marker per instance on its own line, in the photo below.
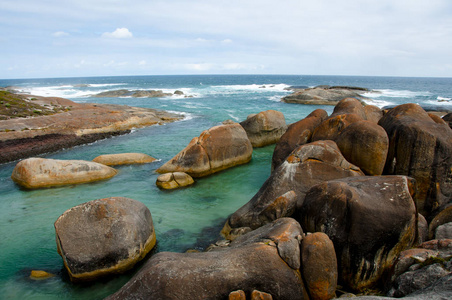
point(370, 220)
point(218, 148)
point(365, 144)
point(34, 172)
point(265, 128)
point(103, 237)
point(319, 266)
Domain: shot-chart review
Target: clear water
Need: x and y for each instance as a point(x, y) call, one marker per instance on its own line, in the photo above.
point(184, 218)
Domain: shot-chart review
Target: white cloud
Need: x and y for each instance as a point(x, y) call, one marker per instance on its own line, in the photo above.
point(60, 34)
point(226, 41)
point(119, 33)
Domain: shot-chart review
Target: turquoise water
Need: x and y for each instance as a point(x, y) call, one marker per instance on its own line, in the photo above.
point(186, 218)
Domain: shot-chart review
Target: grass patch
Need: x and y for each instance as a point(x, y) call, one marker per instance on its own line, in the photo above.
point(17, 106)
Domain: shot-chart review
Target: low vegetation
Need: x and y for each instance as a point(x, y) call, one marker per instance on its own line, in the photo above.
point(20, 106)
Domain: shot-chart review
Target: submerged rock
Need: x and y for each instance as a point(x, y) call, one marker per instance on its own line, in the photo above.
point(216, 149)
point(123, 159)
point(40, 275)
point(104, 237)
point(41, 172)
point(265, 128)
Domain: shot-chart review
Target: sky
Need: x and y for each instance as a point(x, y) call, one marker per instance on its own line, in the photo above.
point(73, 38)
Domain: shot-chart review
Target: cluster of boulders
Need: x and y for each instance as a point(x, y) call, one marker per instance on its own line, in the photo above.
point(358, 201)
point(370, 181)
point(227, 145)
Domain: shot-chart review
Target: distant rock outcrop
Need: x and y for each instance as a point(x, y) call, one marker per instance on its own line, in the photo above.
point(324, 95)
point(137, 93)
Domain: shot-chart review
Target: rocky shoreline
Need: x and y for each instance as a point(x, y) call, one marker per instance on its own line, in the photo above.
point(359, 201)
point(67, 124)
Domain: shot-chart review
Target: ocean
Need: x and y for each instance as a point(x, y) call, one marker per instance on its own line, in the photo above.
point(188, 218)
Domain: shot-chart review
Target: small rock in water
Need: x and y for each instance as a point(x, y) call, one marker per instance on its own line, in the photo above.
point(39, 275)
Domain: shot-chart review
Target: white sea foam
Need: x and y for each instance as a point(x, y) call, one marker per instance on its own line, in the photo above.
point(396, 93)
point(443, 99)
point(379, 103)
point(187, 116)
point(275, 98)
point(252, 87)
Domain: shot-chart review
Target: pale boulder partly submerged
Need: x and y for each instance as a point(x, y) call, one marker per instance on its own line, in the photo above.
point(123, 159)
point(41, 172)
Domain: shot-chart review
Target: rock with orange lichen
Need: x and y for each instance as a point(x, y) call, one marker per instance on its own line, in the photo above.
point(218, 148)
point(319, 266)
point(104, 237)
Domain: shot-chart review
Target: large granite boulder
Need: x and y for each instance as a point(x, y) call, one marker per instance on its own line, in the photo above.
point(306, 166)
point(216, 149)
point(364, 144)
point(324, 95)
point(124, 159)
point(297, 134)
point(319, 266)
point(422, 149)
point(349, 106)
point(373, 113)
point(103, 237)
point(332, 127)
point(36, 172)
point(370, 220)
point(265, 128)
point(267, 260)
